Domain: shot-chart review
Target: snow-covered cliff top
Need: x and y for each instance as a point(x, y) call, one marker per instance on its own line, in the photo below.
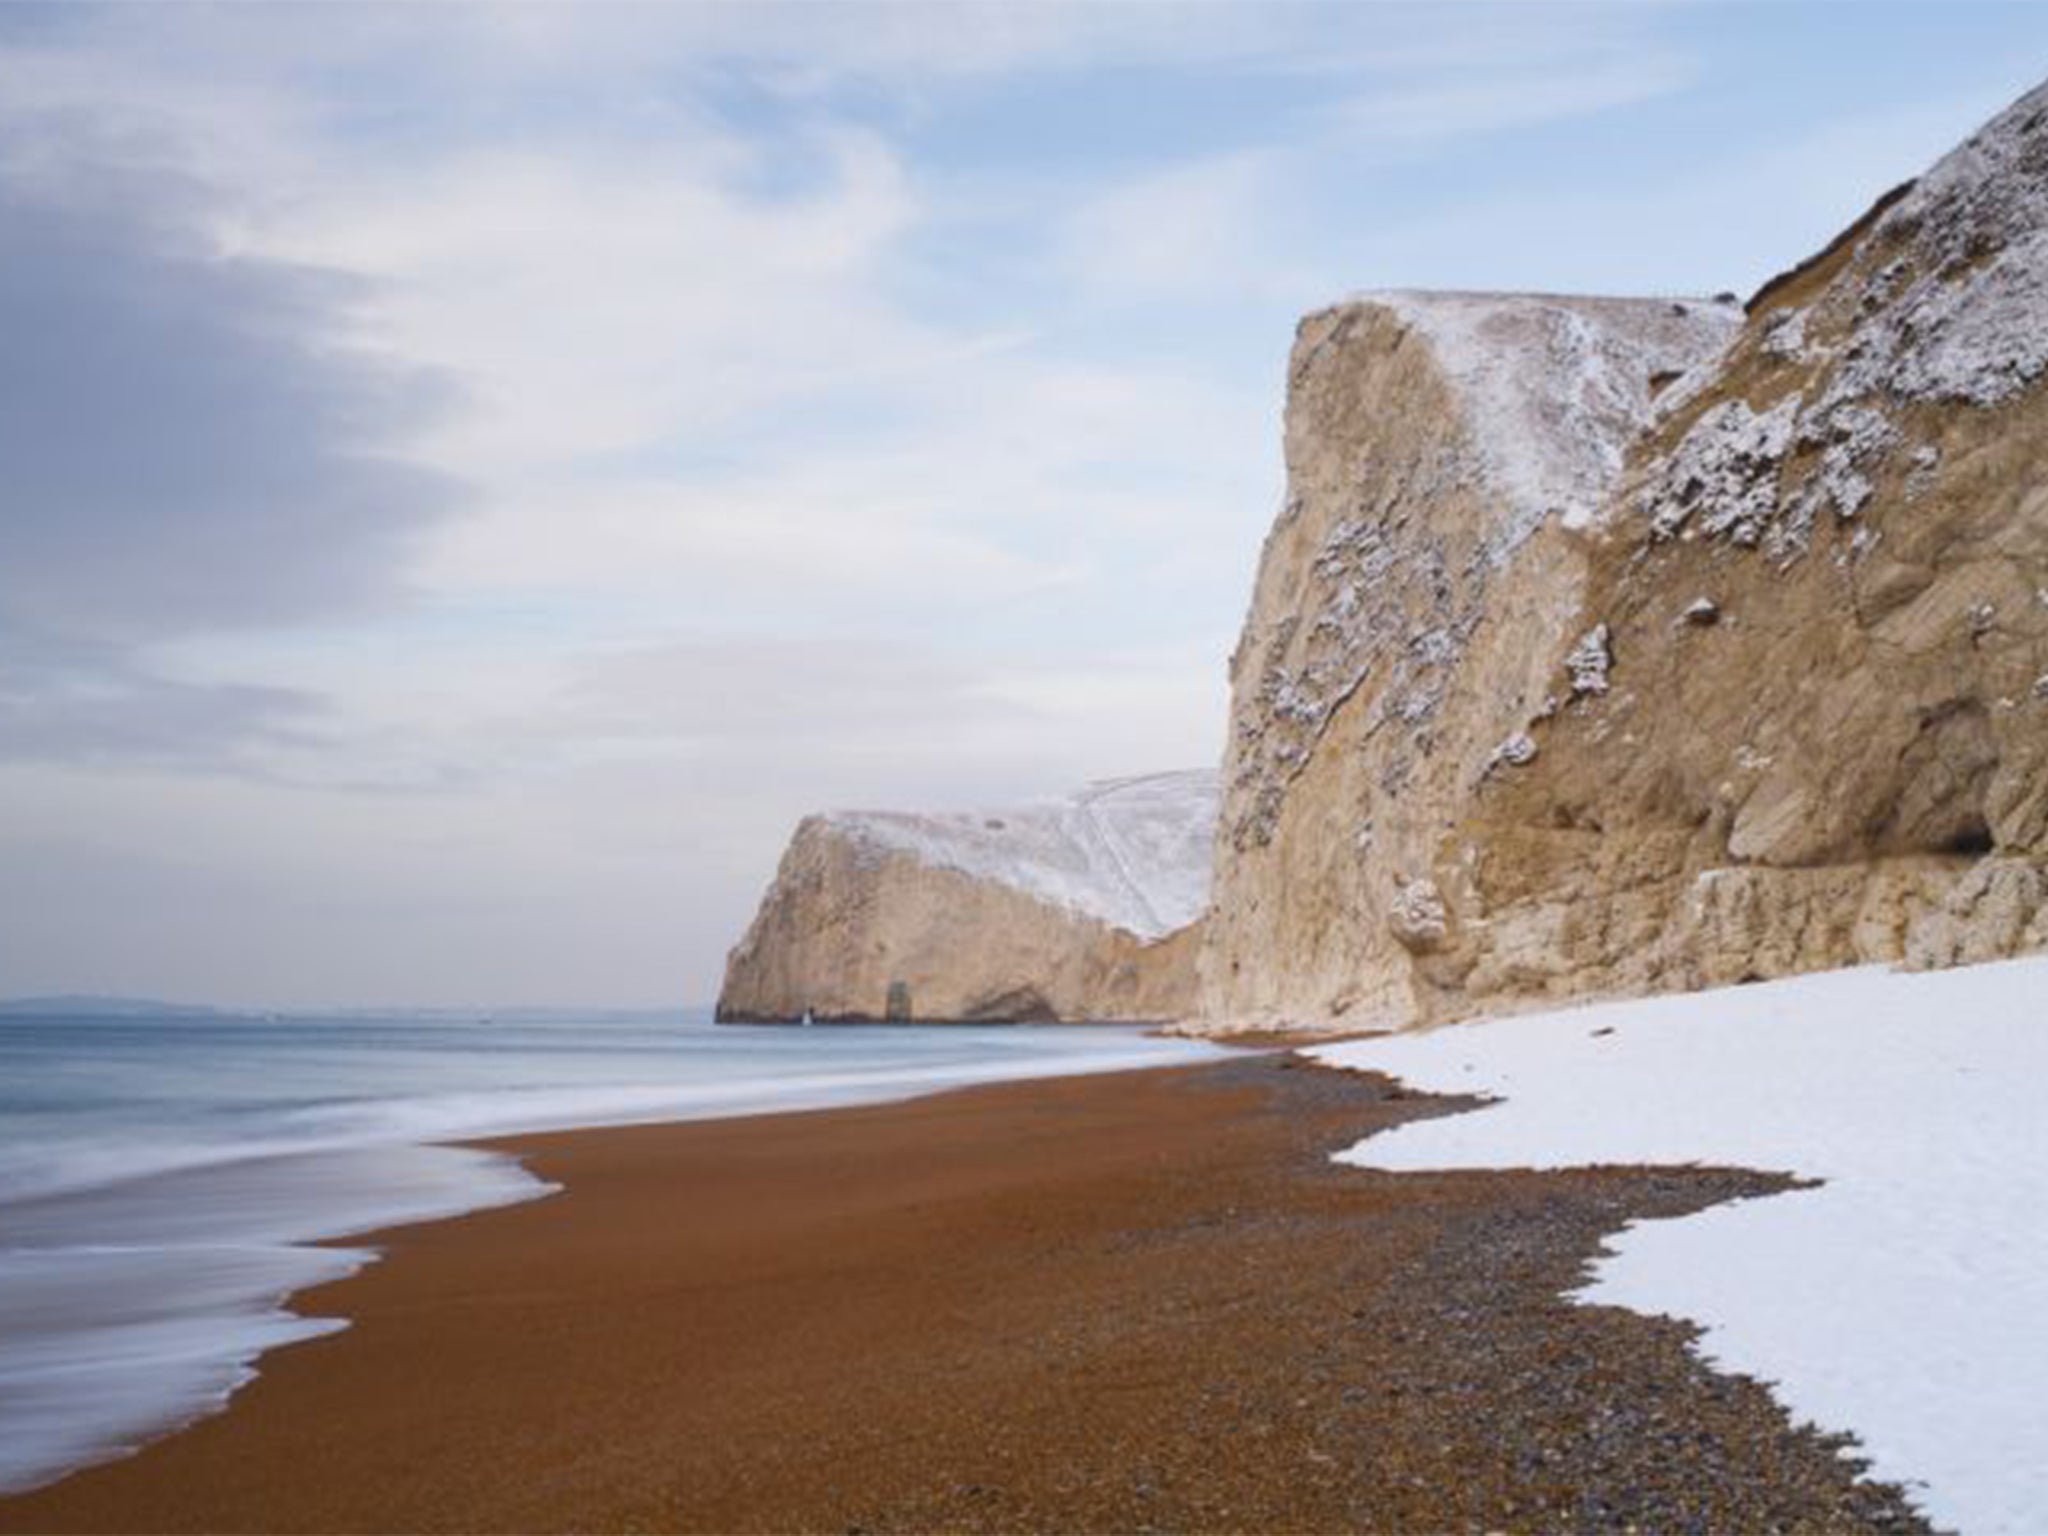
point(1942, 301)
point(1554, 388)
point(1134, 853)
point(1971, 323)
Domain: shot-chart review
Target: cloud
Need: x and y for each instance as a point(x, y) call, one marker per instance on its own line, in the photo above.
point(797, 48)
point(604, 297)
point(846, 694)
point(190, 446)
point(1205, 225)
point(1467, 103)
point(96, 704)
point(1725, 222)
point(868, 694)
point(1419, 87)
point(185, 446)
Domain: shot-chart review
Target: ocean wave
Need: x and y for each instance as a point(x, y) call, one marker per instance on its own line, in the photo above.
point(30, 1173)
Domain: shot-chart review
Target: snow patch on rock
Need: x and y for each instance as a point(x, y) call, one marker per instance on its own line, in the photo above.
point(1850, 438)
point(1969, 319)
point(1554, 389)
point(1134, 853)
point(1517, 751)
point(1588, 661)
point(1785, 335)
point(1724, 473)
point(1945, 300)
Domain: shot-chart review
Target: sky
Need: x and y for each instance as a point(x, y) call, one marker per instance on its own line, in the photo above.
point(472, 476)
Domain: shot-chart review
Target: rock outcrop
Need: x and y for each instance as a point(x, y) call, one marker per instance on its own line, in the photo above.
point(1081, 908)
point(1617, 646)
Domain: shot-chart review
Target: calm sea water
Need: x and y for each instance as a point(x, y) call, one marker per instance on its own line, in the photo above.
point(161, 1177)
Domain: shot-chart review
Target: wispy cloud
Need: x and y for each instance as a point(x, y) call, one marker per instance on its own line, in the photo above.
point(92, 704)
point(187, 449)
point(1404, 116)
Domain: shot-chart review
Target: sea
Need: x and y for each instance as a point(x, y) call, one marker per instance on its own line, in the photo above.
point(167, 1181)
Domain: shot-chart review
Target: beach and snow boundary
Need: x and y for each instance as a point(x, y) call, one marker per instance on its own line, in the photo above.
point(1898, 1299)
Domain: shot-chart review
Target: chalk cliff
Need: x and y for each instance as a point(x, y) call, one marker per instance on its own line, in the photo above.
point(1614, 646)
point(1080, 908)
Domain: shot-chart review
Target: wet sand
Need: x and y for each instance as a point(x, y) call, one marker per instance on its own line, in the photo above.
point(1139, 1301)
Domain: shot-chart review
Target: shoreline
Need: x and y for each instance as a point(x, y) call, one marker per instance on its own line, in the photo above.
point(1108, 1301)
point(146, 1275)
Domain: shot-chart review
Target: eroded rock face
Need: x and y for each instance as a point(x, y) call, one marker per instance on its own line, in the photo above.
point(1081, 908)
point(1412, 605)
point(1762, 688)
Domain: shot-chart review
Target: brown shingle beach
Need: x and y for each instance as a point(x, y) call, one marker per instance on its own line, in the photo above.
point(1139, 1301)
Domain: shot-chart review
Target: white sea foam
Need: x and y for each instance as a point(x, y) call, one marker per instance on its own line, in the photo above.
point(148, 1248)
point(33, 1172)
point(142, 1304)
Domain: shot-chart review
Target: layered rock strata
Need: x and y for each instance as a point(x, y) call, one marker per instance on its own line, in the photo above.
point(1618, 646)
point(1081, 908)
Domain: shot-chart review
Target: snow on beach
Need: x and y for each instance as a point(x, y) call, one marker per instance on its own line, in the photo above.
point(1902, 1298)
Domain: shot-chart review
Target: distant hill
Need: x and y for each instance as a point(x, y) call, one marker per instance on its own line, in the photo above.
point(77, 1006)
point(548, 1014)
point(90, 1006)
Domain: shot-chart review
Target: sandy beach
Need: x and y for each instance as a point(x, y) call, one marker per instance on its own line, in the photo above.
point(1131, 1301)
